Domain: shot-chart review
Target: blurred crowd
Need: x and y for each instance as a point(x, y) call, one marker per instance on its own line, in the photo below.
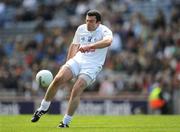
point(145, 50)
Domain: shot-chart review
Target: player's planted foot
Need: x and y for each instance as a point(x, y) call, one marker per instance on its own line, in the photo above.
point(62, 125)
point(37, 115)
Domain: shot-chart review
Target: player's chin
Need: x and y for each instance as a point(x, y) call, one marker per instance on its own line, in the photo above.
point(90, 28)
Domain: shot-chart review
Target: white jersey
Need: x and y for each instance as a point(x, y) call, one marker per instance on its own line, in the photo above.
point(84, 37)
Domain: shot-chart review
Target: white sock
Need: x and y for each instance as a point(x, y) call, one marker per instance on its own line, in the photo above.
point(67, 119)
point(44, 105)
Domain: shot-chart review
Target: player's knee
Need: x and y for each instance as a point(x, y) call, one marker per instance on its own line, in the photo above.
point(77, 91)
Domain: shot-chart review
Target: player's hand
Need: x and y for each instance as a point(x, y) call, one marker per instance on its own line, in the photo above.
point(86, 48)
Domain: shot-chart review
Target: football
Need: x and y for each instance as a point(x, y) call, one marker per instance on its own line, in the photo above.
point(44, 78)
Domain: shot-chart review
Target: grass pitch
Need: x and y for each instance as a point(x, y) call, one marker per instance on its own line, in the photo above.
point(132, 123)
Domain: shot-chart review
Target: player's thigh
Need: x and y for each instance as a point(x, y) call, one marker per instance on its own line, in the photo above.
point(64, 74)
point(74, 66)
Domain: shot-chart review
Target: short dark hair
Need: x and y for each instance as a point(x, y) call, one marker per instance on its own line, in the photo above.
point(95, 13)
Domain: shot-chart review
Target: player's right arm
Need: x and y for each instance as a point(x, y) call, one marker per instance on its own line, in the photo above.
point(73, 49)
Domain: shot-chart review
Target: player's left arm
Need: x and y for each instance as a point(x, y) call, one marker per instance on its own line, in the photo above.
point(105, 42)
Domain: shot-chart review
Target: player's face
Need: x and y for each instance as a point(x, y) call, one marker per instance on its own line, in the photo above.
point(91, 23)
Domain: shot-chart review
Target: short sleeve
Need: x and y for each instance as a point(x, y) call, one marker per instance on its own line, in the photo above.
point(76, 37)
point(107, 32)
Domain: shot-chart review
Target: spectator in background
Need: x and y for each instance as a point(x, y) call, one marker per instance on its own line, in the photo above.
point(107, 87)
point(2, 13)
point(158, 103)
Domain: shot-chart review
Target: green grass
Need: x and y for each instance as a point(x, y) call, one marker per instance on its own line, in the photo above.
point(48, 123)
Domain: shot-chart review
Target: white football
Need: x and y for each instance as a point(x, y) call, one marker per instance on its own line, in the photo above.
point(44, 78)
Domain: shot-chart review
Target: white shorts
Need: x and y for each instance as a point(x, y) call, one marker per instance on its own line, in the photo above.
point(83, 69)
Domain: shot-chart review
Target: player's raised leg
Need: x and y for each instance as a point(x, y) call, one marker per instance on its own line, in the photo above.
point(64, 75)
point(74, 100)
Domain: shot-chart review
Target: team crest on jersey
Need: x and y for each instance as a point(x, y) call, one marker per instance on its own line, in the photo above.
point(88, 39)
